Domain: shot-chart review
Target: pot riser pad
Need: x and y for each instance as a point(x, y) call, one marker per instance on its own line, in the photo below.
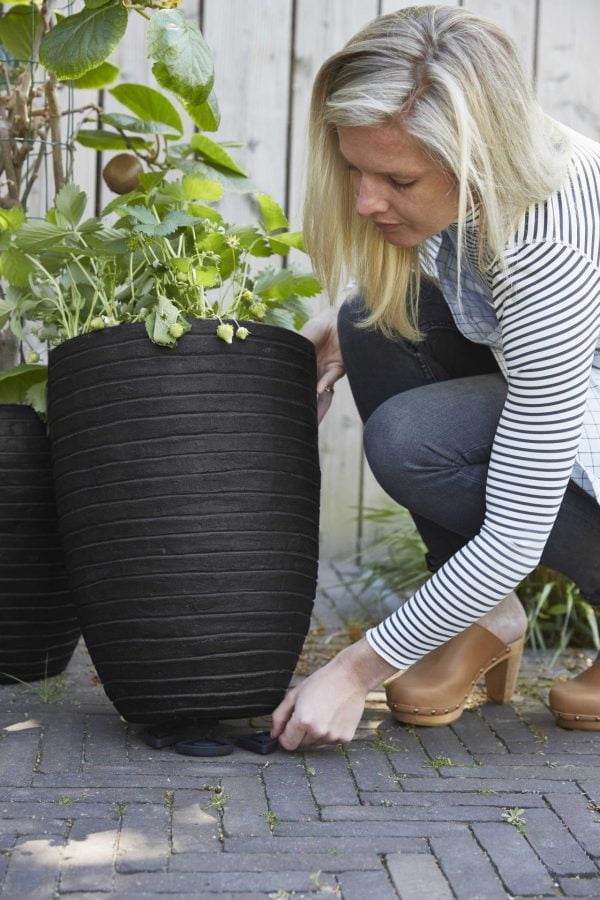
point(187, 484)
point(38, 622)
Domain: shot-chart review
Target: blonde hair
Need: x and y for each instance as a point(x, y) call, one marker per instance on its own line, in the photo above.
point(453, 81)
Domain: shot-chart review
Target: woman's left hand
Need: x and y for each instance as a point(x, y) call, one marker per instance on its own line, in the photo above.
point(327, 707)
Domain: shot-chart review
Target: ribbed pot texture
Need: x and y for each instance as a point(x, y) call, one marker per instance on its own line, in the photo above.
point(187, 485)
point(38, 623)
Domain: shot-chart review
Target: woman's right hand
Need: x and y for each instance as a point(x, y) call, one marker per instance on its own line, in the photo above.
point(322, 331)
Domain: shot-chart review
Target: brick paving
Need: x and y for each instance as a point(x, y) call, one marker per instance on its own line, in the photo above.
point(87, 809)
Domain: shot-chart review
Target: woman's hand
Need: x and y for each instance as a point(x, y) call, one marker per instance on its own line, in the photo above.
point(327, 707)
point(322, 331)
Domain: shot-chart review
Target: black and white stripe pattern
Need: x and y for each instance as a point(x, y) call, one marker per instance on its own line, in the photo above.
point(545, 334)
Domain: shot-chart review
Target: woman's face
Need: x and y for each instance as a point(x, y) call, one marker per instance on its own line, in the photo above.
point(406, 195)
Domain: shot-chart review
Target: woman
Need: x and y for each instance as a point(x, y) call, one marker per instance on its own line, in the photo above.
point(471, 223)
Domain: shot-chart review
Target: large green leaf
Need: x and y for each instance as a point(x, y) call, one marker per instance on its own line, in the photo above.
point(98, 139)
point(160, 320)
point(18, 28)
point(99, 77)
point(207, 115)
point(272, 215)
point(282, 243)
point(15, 267)
point(16, 383)
point(183, 62)
point(148, 104)
point(197, 188)
point(138, 126)
point(281, 284)
point(83, 41)
point(215, 154)
point(70, 203)
point(35, 236)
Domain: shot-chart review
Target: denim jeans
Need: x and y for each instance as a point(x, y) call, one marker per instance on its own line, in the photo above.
point(448, 395)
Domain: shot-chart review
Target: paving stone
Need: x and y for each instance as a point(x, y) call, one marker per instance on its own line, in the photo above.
point(276, 861)
point(33, 869)
point(144, 839)
point(366, 828)
point(419, 800)
point(581, 817)
point(18, 750)
point(38, 827)
point(62, 744)
point(112, 777)
point(527, 772)
point(475, 782)
point(105, 741)
point(194, 829)
point(88, 857)
point(372, 771)
point(417, 876)
point(332, 781)
point(555, 846)
point(443, 742)
point(359, 885)
point(504, 721)
point(580, 887)
point(518, 866)
point(289, 793)
point(85, 795)
point(477, 736)
point(206, 883)
point(437, 813)
point(246, 810)
point(467, 868)
point(374, 843)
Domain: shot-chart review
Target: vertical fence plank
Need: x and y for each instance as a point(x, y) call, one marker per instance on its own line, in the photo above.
point(517, 18)
point(567, 59)
point(251, 44)
point(322, 27)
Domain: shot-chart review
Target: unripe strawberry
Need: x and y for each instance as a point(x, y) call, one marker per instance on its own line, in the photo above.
point(97, 323)
point(33, 357)
point(225, 332)
point(242, 333)
point(176, 330)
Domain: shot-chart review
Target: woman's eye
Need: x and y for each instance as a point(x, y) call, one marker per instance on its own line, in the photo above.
point(401, 185)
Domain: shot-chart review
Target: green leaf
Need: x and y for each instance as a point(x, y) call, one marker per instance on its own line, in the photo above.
point(171, 222)
point(251, 240)
point(159, 320)
point(11, 219)
point(37, 396)
point(16, 382)
point(282, 243)
point(205, 212)
point(138, 126)
point(99, 77)
point(183, 59)
point(196, 188)
point(281, 284)
point(94, 4)
point(207, 115)
point(70, 202)
point(83, 41)
point(15, 267)
point(18, 28)
point(273, 217)
point(107, 140)
point(215, 154)
point(35, 236)
point(148, 104)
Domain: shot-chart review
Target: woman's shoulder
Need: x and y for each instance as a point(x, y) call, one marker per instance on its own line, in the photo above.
point(570, 215)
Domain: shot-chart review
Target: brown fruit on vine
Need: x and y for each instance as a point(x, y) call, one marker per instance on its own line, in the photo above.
point(121, 173)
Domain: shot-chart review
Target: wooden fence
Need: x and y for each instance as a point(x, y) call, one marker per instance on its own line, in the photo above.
point(266, 55)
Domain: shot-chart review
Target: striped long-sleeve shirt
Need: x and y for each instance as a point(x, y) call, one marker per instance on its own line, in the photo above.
point(540, 314)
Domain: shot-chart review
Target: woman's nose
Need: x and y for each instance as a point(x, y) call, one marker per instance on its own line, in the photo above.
point(370, 197)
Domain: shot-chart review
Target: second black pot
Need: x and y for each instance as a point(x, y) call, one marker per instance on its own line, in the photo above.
point(187, 485)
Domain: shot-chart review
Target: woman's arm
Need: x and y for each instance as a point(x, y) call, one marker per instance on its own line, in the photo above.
point(549, 308)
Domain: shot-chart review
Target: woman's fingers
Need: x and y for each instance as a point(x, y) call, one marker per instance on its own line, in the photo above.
point(283, 713)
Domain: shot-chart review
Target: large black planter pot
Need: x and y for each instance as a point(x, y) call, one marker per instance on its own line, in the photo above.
point(38, 624)
point(187, 486)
